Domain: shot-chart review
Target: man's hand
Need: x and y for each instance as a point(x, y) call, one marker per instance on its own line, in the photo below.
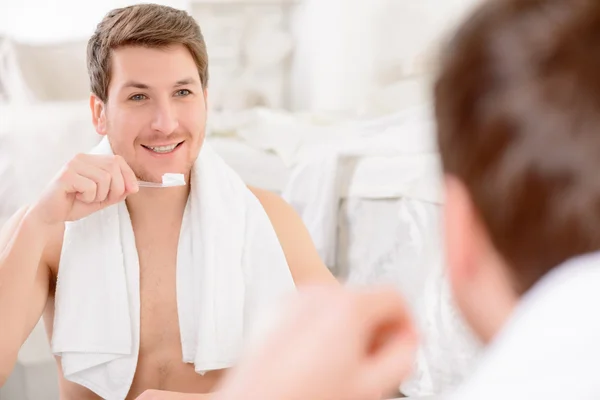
point(334, 343)
point(163, 395)
point(85, 185)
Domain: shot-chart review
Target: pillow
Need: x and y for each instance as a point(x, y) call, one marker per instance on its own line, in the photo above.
point(49, 72)
point(35, 141)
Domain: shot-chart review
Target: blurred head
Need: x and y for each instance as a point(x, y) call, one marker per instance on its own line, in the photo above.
point(148, 69)
point(518, 112)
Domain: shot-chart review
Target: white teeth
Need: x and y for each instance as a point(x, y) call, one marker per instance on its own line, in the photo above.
point(163, 149)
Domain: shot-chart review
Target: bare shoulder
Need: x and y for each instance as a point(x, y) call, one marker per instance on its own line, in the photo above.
point(52, 248)
point(273, 204)
point(306, 266)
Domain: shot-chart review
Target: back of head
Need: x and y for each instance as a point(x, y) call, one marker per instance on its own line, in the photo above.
point(518, 112)
point(147, 25)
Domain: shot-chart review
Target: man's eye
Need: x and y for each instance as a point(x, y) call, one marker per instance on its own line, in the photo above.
point(137, 97)
point(183, 92)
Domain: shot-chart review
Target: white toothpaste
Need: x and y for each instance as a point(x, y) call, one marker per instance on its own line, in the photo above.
point(173, 180)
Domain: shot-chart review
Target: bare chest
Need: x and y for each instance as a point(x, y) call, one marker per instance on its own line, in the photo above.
point(159, 320)
point(160, 364)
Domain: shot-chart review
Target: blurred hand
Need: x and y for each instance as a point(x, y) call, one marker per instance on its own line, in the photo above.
point(334, 343)
point(88, 183)
point(152, 394)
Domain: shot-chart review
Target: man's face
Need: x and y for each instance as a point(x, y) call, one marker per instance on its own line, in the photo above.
point(155, 115)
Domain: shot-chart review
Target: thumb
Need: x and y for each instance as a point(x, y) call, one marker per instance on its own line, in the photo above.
point(392, 360)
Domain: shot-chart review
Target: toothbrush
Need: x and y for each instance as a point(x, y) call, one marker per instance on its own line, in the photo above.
point(168, 180)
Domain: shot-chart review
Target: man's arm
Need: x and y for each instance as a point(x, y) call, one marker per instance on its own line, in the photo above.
point(24, 285)
point(306, 266)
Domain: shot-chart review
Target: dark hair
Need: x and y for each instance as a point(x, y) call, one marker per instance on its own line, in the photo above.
point(518, 111)
point(148, 25)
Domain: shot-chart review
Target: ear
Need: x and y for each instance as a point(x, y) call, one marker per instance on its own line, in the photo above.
point(461, 234)
point(205, 92)
point(98, 114)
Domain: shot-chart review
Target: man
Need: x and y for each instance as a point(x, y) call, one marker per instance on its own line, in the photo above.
point(148, 69)
point(518, 113)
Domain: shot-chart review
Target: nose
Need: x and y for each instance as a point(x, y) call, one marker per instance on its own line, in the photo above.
point(165, 118)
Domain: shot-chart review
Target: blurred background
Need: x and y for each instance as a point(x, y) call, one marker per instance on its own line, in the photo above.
point(327, 102)
point(327, 55)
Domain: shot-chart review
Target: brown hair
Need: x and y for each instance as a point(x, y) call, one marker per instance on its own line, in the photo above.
point(148, 25)
point(518, 112)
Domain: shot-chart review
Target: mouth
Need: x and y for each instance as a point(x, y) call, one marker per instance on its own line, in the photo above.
point(165, 149)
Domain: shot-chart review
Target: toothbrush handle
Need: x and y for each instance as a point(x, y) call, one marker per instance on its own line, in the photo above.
point(149, 184)
point(156, 185)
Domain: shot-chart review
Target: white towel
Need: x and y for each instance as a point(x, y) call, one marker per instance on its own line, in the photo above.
point(550, 347)
point(230, 269)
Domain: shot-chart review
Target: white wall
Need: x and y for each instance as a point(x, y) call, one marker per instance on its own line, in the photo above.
point(345, 47)
point(43, 21)
point(328, 56)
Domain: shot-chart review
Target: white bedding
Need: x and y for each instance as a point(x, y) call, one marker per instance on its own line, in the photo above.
point(398, 242)
point(257, 168)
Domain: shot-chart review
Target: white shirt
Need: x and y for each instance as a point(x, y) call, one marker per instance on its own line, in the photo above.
point(550, 348)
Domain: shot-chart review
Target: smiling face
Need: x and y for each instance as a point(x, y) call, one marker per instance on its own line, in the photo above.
point(155, 113)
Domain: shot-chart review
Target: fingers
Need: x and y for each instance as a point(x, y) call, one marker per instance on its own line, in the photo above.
point(393, 360)
point(99, 176)
point(392, 339)
point(106, 179)
point(84, 188)
point(123, 179)
point(382, 305)
point(129, 178)
point(117, 182)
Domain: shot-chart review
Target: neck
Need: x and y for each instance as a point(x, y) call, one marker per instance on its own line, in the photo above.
point(497, 299)
point(158, 204)
point(497, 315)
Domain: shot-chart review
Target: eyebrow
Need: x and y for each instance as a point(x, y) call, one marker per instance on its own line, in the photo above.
point(136, 85)
point(186, 81)
point(139, 85)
